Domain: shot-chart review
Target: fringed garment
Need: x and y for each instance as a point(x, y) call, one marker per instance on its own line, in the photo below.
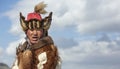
point(43, 55)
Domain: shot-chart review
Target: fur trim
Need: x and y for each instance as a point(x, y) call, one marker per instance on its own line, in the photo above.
point(39, 8)
point(23, 22)
point(47, 21)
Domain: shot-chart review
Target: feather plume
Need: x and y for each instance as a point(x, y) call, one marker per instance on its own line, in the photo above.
point(40, 8)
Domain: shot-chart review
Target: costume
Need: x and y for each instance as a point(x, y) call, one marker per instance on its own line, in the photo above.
point(42, 55)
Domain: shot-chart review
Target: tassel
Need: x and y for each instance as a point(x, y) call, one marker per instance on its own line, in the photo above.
point(39, 8)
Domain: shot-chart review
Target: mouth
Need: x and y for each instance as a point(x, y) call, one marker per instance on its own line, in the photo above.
point(35, 38)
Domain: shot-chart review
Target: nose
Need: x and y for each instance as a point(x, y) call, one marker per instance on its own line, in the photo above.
point(34, 32)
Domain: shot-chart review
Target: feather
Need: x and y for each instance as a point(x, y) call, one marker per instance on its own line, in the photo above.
point(39, 8)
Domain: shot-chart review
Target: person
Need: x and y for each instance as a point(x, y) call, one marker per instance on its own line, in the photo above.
point(38, 51)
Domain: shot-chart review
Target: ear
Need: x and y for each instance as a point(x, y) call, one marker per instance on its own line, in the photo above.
point(47, 21)
point(23, 22)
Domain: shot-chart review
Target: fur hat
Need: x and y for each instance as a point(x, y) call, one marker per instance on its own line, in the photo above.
point(34, 19)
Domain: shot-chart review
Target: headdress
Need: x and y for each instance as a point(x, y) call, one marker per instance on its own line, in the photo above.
point(34, 19)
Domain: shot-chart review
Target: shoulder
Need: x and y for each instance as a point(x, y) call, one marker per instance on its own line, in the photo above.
point(21, 48)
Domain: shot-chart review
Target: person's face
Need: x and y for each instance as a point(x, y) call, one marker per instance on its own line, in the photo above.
point(34, 35)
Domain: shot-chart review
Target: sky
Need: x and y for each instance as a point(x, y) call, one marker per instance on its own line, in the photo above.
point(86, 32)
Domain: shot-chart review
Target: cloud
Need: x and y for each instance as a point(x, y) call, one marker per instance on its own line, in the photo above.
point(63, 42)
point(100, 16)
point(92, 53)
point(1, 50)
point(11, 49)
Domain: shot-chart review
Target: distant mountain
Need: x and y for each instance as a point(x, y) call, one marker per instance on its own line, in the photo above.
point(4, 66)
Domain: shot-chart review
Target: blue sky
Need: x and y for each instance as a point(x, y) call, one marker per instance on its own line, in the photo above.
point(6, 36)
point(86, 32)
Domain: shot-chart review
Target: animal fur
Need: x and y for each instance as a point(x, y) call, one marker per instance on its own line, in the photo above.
point(25, 60)
point(39, 8)
point(23, 22)
point(28, 57)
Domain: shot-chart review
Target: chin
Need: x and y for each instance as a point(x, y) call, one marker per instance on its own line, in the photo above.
point(34, 42)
